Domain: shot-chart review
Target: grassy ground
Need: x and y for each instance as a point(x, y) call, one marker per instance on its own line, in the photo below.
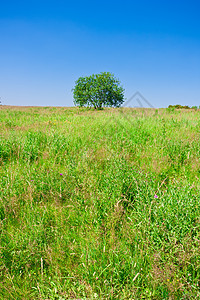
point(99, 205)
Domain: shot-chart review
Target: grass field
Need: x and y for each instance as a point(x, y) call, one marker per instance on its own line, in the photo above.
point(99, 204)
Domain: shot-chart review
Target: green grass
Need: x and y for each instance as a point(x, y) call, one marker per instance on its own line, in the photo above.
point(99, 205)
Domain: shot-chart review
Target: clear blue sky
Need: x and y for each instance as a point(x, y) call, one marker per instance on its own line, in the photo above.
point(152, 47)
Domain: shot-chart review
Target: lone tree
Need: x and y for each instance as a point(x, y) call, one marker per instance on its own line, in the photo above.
point(98, 91)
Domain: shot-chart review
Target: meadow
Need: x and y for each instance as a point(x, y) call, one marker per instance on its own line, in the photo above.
point(99, 204)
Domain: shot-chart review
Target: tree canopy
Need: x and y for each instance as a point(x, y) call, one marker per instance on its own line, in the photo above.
point(98, 91)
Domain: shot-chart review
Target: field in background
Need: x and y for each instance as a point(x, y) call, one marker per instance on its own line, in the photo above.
point(99, 204)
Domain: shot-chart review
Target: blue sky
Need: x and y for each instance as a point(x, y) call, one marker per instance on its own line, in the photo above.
point(152, 47)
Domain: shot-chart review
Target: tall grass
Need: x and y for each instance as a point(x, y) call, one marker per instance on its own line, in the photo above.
point(99, 205)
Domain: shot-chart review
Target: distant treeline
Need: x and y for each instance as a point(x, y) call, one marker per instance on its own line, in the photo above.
point(178, 106)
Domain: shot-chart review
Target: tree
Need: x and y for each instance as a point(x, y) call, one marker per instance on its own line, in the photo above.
point(98, 91)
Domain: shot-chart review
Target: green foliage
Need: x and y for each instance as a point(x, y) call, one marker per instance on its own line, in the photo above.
point(100, 90)
point(194, 107)
point(95, 211)
point(178, 106)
